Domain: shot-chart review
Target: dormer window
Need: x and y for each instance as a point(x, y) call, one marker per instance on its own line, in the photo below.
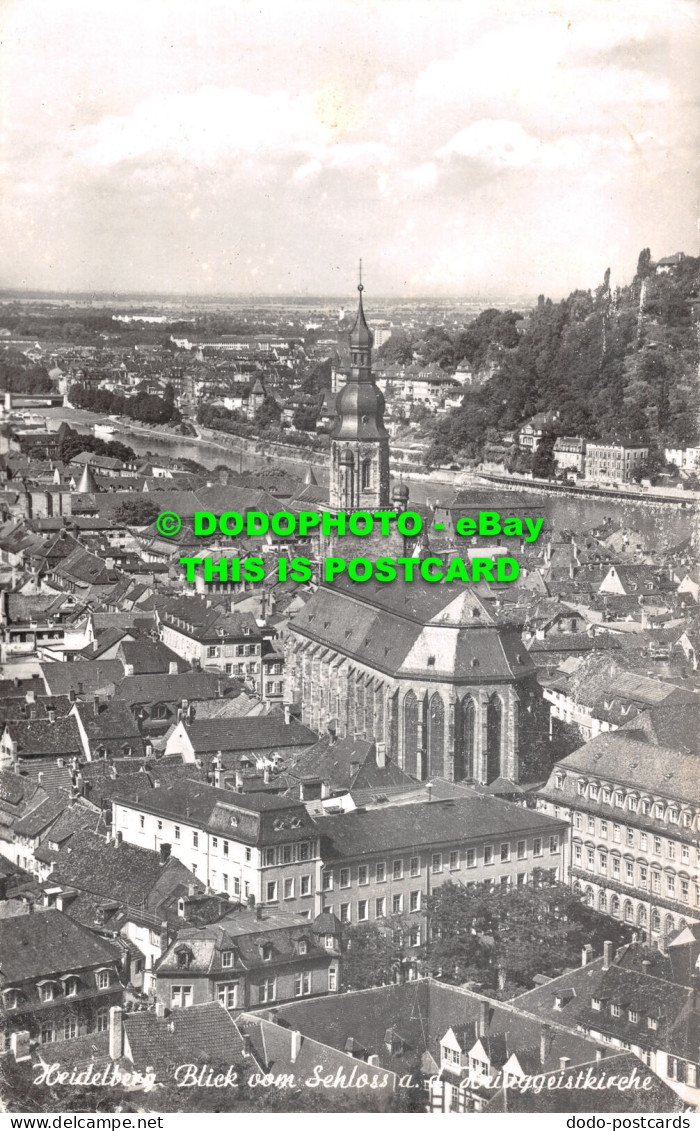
point(183, 958)
point(227, 958)
point(615, 1010)
point(561, 781)
point(10, 999)
point(47, 991)
point(596, 1003)
point(71, 986)
point(652, 1023)
point(303, 946)
point(103, 979)
point(558, 1001)
point(266, 952)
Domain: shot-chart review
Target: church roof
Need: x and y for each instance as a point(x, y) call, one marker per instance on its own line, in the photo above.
point(361, 337)
point(88, 483)
point(439, 632)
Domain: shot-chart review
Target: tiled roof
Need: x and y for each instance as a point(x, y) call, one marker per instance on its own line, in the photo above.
point(48, 942)
point(624, 757)
point(137, 689)
point(83, 677)
point(264, 732)
point(200, 1034)
point(358, 834)
point(41, 738)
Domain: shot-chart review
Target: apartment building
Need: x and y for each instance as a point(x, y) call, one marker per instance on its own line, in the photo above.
point(383, 862)
point(239, 844)
point(209, 638)
point(634, 813)
point(614, 462)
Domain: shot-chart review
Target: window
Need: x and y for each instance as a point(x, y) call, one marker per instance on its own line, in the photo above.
point(269, 856)
point(604, 828)
point(617, 833)
point(327, 881)
point(591, 824)
point(630, 837)
point(46, 992)
point(488, 854)
point(363, 874)
point(561, 781)
point(397, 870)
point(266, 952)
point(616, 867)
point(397, 904)
point(70, 1028)
point(619, 799)
point(214, 843)
point(345, 877)
point(643, 841)
point(471, 858)
point(345, 913)
point(670, 850)
point(304, 851)
point(248, 853)
point(553, 845)
point(670, 885)
point(436, 862)
point(305, 885)
point(332, 980)
point(415, 866)
point(633, 1016)
point(48, 1034)
point(590, 859)
point(595, 1003)
point(287, 854)
point(362, 910)
point(652, 1023)
point(629, 872)
point(505, 853)
point(603, 861)
point(303, 946)
point(181, 997)
point(329, 942)
point(615, 1010)
point(380, 873)
point(380, 907)
point(685, 891)
point(414, 936)
point(227, 958)
point(657, 845)
point(537, 846)
point(685, 854)
point(177, 832)
point(102, 1019)
point(227, 995)
point(267, 990)
point(607, 794)
point(415, 901)
point(271, 891)
point(142, 821)
point(578, 821)
point(659, 812)
point(289, 889)
point(454, 861)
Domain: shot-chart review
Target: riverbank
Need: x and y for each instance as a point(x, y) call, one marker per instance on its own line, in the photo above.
point(652, 496)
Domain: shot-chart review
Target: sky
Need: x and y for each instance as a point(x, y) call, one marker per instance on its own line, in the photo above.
point(460, 147)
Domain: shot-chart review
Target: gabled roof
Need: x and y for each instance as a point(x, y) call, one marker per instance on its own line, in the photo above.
point(200, 1034)
point(262, 732)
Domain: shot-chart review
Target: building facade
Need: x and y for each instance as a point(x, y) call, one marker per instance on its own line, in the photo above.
point(614, 462)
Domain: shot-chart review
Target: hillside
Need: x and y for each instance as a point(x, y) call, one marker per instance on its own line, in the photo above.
point(616, 364)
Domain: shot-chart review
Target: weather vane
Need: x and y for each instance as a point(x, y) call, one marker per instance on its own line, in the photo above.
point(360, 287)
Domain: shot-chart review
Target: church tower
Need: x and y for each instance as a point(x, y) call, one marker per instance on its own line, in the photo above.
point(359, 441)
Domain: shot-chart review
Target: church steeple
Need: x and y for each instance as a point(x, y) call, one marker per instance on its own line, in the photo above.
point(359, 440)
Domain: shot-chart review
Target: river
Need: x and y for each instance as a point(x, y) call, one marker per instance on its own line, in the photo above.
point(661, 524)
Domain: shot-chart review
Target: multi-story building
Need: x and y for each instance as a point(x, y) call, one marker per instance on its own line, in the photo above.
point(251, 958)
point(209, 638)
point(241, 844)
point(58, 979)
point(383, 862)
point(614, 462)
point(634, 814)
point(570, 453)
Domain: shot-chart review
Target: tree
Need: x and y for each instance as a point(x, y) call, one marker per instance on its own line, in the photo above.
point(376, 954)
point(140, 510)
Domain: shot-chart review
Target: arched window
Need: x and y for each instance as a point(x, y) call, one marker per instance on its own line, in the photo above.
point(464, 744)
point(410, 733)
point(629, 911)
point(366, 474)
point(669, 925)
point(436, 737)
point(615, 906)
point(656, 922)
point(641, 915)
point(602, 903)
point(494, 730)
point(589, 897)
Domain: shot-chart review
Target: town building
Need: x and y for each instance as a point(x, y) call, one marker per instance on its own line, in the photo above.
point(388, 861)
point(58, 980)
point(570, 454)
point(615, 463)
point(634, 820)
point(251, 958)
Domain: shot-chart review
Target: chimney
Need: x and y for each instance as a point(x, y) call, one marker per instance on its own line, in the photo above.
point(31, 697)
point(483, 1018)
point(258, 911)
point(164, 851)
point(119, 838)
point(116, 1033)
point(608, 954)
point(51, 715)
point(160, 1009)
point(96, 705)
point(172, 667)
point(251, 901)
point(545, 1042)
point(191, 890)
point(266, 775)
point(564, 1062)
point(287, 714)
point(238, 781)
point(586, 954)
point(381, 755)
point(246, 1044)
point(295, 1047)
point(19, 1045)
point(599, 1054)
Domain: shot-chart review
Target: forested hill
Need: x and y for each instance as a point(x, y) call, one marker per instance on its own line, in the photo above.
point(616, 364)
